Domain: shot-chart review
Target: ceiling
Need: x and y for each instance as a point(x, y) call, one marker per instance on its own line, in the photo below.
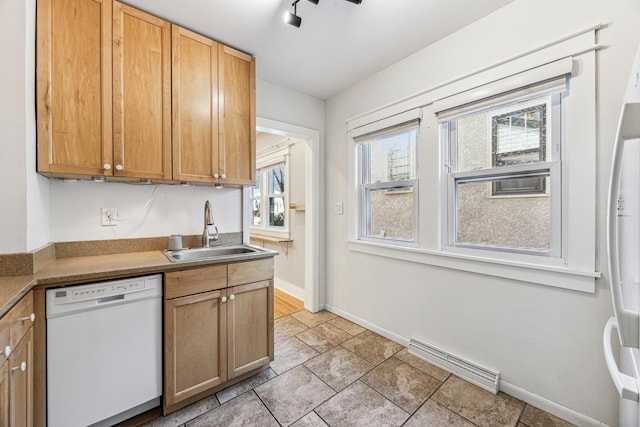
point(338, 44)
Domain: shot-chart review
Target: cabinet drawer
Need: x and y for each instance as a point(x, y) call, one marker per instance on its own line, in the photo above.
point(20, 318)
point(250, 271)
point(194, 281)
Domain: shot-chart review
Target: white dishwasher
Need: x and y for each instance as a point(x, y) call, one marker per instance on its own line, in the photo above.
point(104, 351)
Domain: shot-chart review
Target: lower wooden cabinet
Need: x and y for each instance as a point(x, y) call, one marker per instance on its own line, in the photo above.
point(16, 370)
point(218, 332)
point(195, 345)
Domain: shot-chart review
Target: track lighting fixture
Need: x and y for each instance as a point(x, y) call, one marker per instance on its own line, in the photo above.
point(295, 20)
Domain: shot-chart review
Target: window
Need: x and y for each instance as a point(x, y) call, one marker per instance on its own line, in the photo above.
point(387, 186)
point(503, 175)
point(268, 199)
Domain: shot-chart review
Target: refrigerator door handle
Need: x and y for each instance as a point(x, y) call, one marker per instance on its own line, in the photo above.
point(628, 320)
point(626, 385)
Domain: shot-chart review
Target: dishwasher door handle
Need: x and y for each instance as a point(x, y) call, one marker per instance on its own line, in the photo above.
point(110, 299)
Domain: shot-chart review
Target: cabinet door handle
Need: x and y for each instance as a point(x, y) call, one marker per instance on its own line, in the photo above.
point(232, 297)
point(7, 351)
point(119, 167)
point(21, 368)
point(223, 299)
point(216, 176)
point(223, 176)
point(32, 317)
point(106, 166)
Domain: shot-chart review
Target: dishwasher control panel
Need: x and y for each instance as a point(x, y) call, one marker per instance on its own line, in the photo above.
point(80, 297)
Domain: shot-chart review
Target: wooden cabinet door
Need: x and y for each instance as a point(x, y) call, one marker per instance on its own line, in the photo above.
point(237, 117)
point(21, 382)
point(141, 94)
point(195, 106)
point(4, 394)
point(74, 87)
point(195, 345)
point(250, 326)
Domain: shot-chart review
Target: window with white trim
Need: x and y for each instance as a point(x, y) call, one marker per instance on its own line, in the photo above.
point(388, 183)
point(503, 172)
point(268, 198)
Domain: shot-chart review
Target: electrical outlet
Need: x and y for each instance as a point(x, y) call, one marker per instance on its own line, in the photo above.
point(109, 216)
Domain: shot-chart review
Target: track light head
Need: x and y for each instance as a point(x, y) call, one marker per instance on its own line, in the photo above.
point(314, 1)
point(292, 19)
point(355, 1)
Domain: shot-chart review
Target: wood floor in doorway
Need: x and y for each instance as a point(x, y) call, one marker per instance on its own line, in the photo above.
point(285, 304)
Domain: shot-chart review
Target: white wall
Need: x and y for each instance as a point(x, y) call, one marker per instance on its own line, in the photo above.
point(543, 340)
point(24, 216)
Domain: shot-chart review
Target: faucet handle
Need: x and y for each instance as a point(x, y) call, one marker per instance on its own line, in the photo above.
point(215, 234)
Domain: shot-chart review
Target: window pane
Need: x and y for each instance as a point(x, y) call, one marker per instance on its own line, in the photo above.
point(276, 211)
point(276, 180)
point(255, 219)
point(509, 135)
point(390, 158)
point(514, 222)
point(255, 190)
point(391, 213)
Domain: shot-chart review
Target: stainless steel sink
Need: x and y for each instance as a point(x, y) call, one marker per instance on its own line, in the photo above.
point(215, 252)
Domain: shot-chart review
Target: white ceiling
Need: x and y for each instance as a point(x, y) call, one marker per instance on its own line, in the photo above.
point(338, 44)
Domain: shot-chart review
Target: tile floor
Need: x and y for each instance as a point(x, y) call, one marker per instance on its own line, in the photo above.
point(331, 372)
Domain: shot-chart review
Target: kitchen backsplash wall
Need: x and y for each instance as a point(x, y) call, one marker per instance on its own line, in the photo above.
point(143, 210)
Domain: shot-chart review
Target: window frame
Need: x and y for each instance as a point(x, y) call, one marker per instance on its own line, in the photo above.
point(365, 187)
point(265, 165)
point(576, 270)
point(551, 167)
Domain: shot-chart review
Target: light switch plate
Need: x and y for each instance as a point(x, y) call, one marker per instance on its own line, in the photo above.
point(339, 208)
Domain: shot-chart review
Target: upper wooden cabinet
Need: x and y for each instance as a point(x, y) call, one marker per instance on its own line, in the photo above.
point(125, 95)
point(141, 94)
point(195, 106)
point(237, 116)
point(213, 111)
point(74, 86)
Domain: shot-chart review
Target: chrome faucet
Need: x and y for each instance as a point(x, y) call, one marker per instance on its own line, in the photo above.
point(208, 220)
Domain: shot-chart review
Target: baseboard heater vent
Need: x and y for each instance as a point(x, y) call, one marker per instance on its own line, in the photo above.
point(482, 377)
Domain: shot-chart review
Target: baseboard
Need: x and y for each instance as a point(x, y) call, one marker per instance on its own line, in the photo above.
point(288, 288)
point(533, 399)
point(372, 327)
point(549, 406)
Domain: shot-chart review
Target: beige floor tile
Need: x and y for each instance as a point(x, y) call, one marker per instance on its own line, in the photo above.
point(286, 327)
point(290, 353)
point(534, 417)
point(310, 420)
point(323, 337)
point(372, 347)
point(180, 417)
point(244, 410)
point(347, 326)
point(338, 367)
point(477, 405)
point(360, 406)
point(293, 394)
point(433, 414)
point(235, 390)
point(424, 366)
point(313, 319)
point(401, 383)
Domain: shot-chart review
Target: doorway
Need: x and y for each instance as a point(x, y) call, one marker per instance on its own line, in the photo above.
point(309, 143)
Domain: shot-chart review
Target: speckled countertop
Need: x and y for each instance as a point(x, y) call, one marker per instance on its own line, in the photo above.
point(84, 269)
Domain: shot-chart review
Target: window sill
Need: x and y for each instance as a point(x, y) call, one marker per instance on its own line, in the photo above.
point(548, 275)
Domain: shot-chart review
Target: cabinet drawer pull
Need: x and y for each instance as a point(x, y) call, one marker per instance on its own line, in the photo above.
point(7, 351)
point(32, 317)
point(223, 299)
point(21, 368)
